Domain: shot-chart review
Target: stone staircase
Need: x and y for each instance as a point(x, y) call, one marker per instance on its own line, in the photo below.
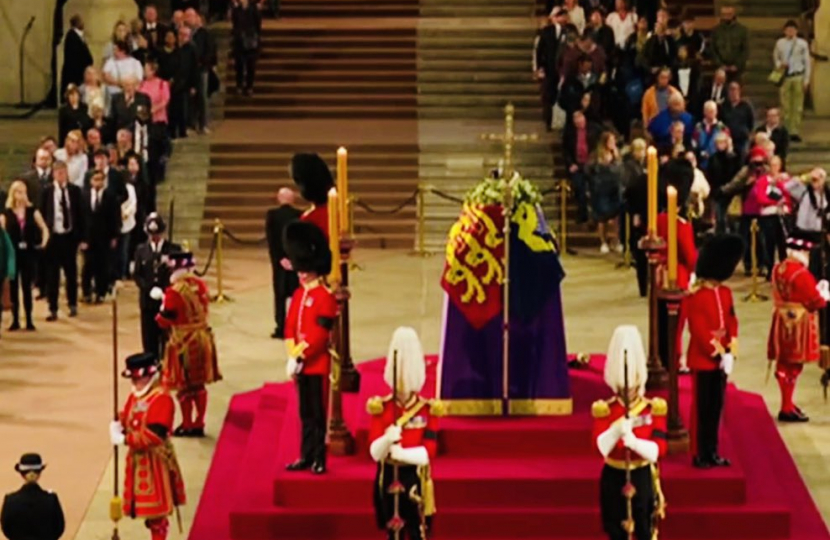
point(473, 72)
point(348, 8)
point(465, 9)
point(187, 181)
point(361, 73)
point(245, 176)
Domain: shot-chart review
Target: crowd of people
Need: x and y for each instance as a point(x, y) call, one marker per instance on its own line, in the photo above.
point(618, 82)
point(90, 190)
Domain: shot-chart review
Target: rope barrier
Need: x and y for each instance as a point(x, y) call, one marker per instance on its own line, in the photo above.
point(446, 196)
point(238, 240)
point(410, 200)
point(212, 252)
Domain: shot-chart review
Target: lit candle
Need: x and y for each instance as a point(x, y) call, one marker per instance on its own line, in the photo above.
point(343, 188)
point(672, 239)
point(651, 164)
point(334, 237)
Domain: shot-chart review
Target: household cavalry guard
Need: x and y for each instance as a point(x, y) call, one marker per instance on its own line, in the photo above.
point(403, 438)
point(313, 178)
point(308, 327)
point(713, 343)
point(153, 486)
point(630, 433)
point(794, 333)
point(190, 361)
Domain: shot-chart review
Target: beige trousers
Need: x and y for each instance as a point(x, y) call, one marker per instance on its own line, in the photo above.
point(792, 103)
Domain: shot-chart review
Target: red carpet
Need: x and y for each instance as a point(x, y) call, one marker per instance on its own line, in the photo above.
point(533, 478)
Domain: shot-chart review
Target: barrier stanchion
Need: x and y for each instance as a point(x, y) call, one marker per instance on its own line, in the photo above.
point(754, 295)
point(626, 262)
point(218, 233)
point(420, 213)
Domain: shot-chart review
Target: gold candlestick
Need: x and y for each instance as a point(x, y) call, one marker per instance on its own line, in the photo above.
point(652, 168)
point(672, 237)
point(343, 188)
point(334, 238)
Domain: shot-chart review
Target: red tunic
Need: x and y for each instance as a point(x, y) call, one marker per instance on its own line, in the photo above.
point(319, 215)
point(793, 334)
point(713, 326)
point(649, 418)
point(153, 483)
point(308, 326)
point(190, 353)
point(418, 420)
point(686, 250)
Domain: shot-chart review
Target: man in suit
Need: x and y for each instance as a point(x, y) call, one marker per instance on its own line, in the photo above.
point(777, 133)
point(76, 55)
point(547, 71)
point(113, 178)
point(153, 30)
point(575, 86)
point(283, 279)
point(61, 205)
point(184, 84)
point(39, 176)
point(103, 226)
point(151, 271)
point(32, 513)
point(125, 104)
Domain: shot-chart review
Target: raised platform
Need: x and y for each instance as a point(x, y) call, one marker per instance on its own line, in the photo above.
point(496, 478)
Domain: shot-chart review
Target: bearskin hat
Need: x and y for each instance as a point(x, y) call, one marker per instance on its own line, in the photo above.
point(679, 174)
point(307, 248)
point(312, 176)
point(719, 257)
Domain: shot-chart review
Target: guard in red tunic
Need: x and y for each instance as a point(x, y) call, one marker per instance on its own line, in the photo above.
point(794, 335)
point(308, 326)
point(403, 438)
point(713, 343)
point(679, 174)
point(190, 361)
point(313, 178)
point(153, 486)
point(641, 435)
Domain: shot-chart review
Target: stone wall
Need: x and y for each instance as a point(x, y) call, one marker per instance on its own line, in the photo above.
point(14, 14)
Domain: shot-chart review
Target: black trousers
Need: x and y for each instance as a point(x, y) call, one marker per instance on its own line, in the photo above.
point(61, 254)
point(772, 229)
point(284, 284)
point(613, 504)
point(177, 114)
point(97, 269)
point(640, 260)
point(23, 281)
point(245, 64)
point(408, 510)
point(311, 389)
point(710, 390)
point(150, 331)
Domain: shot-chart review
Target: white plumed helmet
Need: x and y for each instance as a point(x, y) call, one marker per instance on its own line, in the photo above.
point(410, 361)
point(626, 338)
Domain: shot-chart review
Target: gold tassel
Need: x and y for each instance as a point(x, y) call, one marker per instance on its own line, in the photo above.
point(428, 490)
point(660, 503)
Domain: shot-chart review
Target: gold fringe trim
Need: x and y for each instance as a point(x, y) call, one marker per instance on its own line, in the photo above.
point(516, 407)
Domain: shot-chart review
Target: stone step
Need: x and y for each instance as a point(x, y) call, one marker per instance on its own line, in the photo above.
point(467, 11)
point(497, 33)
point(481, 113)
point(320, 112)
point(464, 42)
point(315, 100)
point(427, 56)
point(351, 76)
point(341, 53)
point(462, 100)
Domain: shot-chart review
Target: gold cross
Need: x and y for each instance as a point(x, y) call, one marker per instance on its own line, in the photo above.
point(509, 138)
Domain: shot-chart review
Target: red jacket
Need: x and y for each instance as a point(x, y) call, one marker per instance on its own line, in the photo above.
point(308, 327)
point(649, 418)
point(686, 250)
point(418, 420)
point(319, 215)
point(761, 188)
point(793, 334)
point(713, 326)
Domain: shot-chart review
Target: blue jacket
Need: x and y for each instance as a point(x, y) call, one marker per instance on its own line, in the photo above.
point(660, 127)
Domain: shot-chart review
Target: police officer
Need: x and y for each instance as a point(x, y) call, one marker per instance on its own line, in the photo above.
point(151, 271)
point(32, 513)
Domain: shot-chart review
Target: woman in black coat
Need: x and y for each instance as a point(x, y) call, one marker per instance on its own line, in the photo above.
point(723, 165)
point(73, 114)
point(247, 27)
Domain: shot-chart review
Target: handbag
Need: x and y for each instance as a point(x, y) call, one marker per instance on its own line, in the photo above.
point(777, 75)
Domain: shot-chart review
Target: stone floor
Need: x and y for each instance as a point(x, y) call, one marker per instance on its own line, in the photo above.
point(57, 381)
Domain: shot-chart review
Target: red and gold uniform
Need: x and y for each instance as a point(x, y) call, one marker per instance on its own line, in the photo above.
point(308, 327)
point(153, 485)
point(190, 360)
point(318, 215)
point(418, 420)
point(686, 260)
point(794, 334)
point(648, 418)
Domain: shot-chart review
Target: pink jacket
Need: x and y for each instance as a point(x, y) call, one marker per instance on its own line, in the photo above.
point(158, 91)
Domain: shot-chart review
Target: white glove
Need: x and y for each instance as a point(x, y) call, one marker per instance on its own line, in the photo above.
point(410, 456)
point(692, 279)
point(823, 289)
point(116, 433)
point(393, 434)
point(625, 427)
point(645, 448)
point(292, 368)
point(727, 363)
point(156, 293)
